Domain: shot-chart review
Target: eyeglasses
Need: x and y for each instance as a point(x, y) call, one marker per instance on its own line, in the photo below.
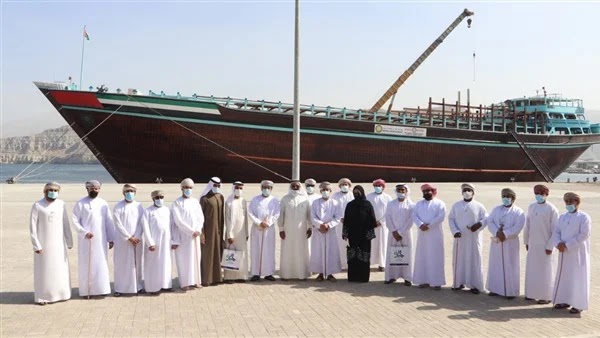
point(310, 185)
point(427, 190)
point(54, 190)
point(159, 197)
point(506, 196)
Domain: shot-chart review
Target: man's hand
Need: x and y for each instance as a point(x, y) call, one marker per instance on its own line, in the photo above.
point(196, 234)
point(475, 226)
point(134, 241)
point(264, 225)
point(89, 235)
point(457, 235)
point(229, 241)
point(202, 239)
point(38, 251)
point(501, 236)
point(344, 237)
point(174, 246)
point(282, 234)
point(110, 245)
point(424, 227)
point(397, 236)
point(378, 224)
point(152, 248)
point(308, 233)
point(526, 247)
point(548, 252)
point(562, 247)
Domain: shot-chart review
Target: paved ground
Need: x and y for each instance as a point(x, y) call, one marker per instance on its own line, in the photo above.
point(284, 308)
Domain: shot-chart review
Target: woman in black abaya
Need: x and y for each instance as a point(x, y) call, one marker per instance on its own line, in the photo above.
point(359, 229)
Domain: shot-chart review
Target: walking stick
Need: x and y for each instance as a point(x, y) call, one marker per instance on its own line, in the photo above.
point(503, 270)
point(262, 240)
point(135, 268)
point(196, 267)
point(325, 254)
point(455, 263)
point(89, 268)
point(558, 279)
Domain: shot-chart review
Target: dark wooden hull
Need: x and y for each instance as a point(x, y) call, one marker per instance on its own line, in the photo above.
point(141, 144)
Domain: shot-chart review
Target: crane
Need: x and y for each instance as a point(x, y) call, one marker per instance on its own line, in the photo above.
point(391, 92)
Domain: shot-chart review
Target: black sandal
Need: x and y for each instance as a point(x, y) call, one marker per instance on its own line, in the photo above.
point(574, 311)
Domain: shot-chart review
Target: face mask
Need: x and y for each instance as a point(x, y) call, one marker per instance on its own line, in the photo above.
point(129, 196)
point(344, 188)
point(570, 207)
point(401, 195)
point(467, 195)
point(428, 196)
point(310, 190)
point(295, 192)
point(378, 190)
point(93, 194)
point(506, 201)
point(216, 190)
point(52, 195)
point(187, 192)
point(540, 198)
point(325, 194)
point(237, 192)
point(158, 202)
point(266, 192)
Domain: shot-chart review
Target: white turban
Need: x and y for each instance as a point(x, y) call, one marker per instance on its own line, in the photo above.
point(129, 186)
point(467, 185)
point(310, 181)
point(188, 182)
point(157, 193)
point(266, 183)
point(346, 181)
point(325, 185)
point(52, 185)
point(93, 184)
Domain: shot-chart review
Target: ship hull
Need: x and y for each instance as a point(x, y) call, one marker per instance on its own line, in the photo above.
point(143, 142)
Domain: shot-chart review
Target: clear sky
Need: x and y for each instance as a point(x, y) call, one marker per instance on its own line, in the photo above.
point(351, 52)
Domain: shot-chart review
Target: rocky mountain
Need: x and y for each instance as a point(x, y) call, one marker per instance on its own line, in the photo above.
point(60, 145)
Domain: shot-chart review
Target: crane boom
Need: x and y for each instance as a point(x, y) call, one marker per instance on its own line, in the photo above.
point(407, 73)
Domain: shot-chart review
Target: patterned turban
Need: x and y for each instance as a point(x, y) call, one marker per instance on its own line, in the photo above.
point(468, 186)
point(346, 181)
point(188, 182)
point(93, 184)
point(52, 185)
point(379, 181)
point(541, 188)
point(428, 186)
point(267, 183)
point(310, 181)
point(157, 193)
point(325, 185)
point(509, 192)
point(129, 186)
point(572, 196)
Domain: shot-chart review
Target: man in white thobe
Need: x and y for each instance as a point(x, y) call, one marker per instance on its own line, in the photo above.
point(188, 221)
point(466, 220)
point(505, 223)
point(539, 225)
point(398, 220)
point(325, 217)
point(93, 223)
point(129, 249)
point(343, 197)
point(51, 236)
point(236, 230)
point(156, 222)
point(428, 215)
point(264, 212)
point(295, 230)
point(311, 192)
point(379, 200)
point(572, 239)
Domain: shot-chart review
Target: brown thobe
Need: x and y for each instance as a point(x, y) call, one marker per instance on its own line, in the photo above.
point(212, 249)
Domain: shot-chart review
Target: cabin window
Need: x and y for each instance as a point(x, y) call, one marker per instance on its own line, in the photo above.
point(581, 117)
point(570, 117)
point(562, 131)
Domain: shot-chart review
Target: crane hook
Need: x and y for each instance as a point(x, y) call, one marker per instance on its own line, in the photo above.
point(469, 22)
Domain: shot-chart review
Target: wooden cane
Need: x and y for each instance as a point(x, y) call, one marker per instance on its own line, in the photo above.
point(325, 253)
point(455, 263)
point(262, 240)
point(89, 268)
point(503, 269)
point(197, 267)
point(558, 279)
point(135, 268)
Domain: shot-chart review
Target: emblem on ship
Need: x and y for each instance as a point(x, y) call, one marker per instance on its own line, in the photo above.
point(378, 129)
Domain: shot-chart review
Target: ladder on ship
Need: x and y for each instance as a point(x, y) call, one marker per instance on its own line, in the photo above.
point(533, 156)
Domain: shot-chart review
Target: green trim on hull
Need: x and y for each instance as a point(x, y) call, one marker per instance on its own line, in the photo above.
point(158, 100)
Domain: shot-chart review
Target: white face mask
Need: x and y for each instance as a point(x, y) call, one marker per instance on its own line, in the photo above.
point(216, 190)
point(187, 192)
point(266, 192)
point(310, 190)
point(378, 190)
point(295, 192)
point(401, 195)
point(467, 195)
point(325, 193)
point(237, 192)
point(158, 202)
point(344, 188)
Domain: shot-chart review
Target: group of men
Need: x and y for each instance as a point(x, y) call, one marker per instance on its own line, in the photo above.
point(310, 229)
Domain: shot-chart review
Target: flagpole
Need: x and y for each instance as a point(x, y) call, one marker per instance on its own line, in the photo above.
point(82, 53)
point(296, 124)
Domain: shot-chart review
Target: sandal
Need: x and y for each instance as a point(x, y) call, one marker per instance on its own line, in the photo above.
point(561, 306)
point(574, 311)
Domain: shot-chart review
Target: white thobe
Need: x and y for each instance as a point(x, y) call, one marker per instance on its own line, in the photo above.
point(294, 219)
point(156, 223)
point(263, 240)
point(572, 284)
point(504, 263)
point(429, 256)
point(379, 243)
point(398, 217)
point(236, 227)
point(313, 197)
point(539, 269)
point(50, 232)
point(343, 199)
point(187, 218)
point(128, 264)
point(467, 260)
point(325, 254)
point(92, 215)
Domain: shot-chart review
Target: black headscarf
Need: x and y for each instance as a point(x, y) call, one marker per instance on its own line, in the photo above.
point(359, 217)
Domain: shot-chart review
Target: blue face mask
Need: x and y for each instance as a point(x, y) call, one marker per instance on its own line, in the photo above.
point(506, 201)
point(52, 195)
point(540, 198)
point(266, 192)
point(401, 195)
point(129, 196)
point(158, 202)
point(325, 193)
point(378, 190)
point(216, 190)
point(571, 207)
point(187, 192)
